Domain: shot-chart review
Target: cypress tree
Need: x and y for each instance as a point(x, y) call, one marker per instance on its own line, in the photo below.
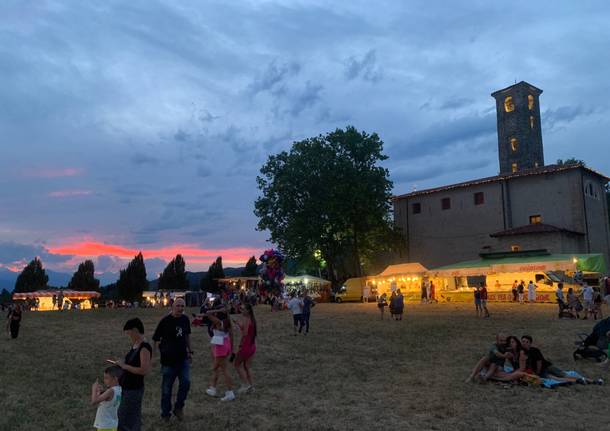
point(132, 280)
point(84, 278)
point(33, 277)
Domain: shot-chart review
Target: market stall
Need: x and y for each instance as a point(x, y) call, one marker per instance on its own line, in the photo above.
point(408, 277)
point(501, 270)
point(44, 299)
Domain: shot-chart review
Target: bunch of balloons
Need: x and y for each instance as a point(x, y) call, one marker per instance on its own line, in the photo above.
point(271, 272)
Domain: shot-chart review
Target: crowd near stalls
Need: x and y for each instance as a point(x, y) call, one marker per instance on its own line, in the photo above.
point(510, 274)
point(533, 275)
point(56, 299)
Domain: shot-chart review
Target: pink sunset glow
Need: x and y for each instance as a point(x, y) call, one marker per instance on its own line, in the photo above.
point(69, 193)
point(191, 253)
point(53, 173)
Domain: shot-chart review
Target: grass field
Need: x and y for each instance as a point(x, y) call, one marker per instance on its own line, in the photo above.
point(352, 372)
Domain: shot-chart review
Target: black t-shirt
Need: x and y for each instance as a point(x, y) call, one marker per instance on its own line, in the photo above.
point(172, 332)
point(130, 381)
point(533, 356)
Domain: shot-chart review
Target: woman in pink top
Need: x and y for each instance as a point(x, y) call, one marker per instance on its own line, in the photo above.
point(247, 348)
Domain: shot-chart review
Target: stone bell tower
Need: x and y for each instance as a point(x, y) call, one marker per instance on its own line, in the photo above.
point(519, 134)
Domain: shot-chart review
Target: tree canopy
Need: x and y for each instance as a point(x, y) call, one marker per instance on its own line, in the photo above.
point(84, 278)
point(173, 276)
point(132, 280)
point(209, 283)
point(251, 269)
point(570, 161)
point(33, 277)
point(328, 195)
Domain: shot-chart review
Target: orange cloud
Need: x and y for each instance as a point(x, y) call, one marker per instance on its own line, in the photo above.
point(190, 252)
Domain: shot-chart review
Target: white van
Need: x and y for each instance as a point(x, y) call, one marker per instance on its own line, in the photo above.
point(543, 280)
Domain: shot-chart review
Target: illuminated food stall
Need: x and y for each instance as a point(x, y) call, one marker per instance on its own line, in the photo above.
point(500, 270)
point(408, 277)
point(44, 298)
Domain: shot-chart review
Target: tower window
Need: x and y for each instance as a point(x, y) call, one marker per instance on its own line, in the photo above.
point(515, 248)
point(514, 167)
point(509, 106)
point(416, 208)
point(535, 219)
point(479, 198)
point(446, 203)
point(531, 122)
point(530, 102)
point(514, 144)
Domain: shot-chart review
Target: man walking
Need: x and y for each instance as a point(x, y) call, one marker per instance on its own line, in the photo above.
point(172, 337)
point(307, 304)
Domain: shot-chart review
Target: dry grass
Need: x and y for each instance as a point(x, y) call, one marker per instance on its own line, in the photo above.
point(351, 372)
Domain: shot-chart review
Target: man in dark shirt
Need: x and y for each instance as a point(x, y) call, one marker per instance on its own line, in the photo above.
point(537, 364)
point(306, 313)
point(173, 341)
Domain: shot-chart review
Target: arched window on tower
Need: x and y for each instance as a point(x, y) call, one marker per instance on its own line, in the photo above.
point(531, 121)
point(530, 102)
point(514, 145)
point(509, 106)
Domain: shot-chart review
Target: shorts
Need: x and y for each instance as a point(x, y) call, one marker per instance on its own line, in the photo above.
point(483, 302)
point(551, 371)
point(496, 360)
point(477, 302)
point(296, 319)
point(222, 350)
point(588, 305)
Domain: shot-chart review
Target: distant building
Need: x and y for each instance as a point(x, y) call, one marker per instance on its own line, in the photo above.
point(560, 208)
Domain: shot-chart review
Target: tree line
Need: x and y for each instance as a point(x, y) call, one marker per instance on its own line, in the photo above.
point(132, 279)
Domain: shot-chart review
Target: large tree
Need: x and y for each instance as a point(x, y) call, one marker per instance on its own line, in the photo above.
point(5, 297)
point(173, 276)
point(328, 194)
point(84, 278)
point(33, 277)
point(251, 269)
point(132, 280)
point(209, 283)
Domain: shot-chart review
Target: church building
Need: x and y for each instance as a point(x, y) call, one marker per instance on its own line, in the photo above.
point(528, 206)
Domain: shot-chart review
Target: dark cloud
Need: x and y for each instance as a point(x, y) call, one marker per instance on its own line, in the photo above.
point(563, 115)
point(12, 253)
point(144, 159)
point(273, 77)
point(365, 67)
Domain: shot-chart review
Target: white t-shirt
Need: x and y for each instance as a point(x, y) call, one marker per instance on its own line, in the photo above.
point(106, 416)
point(559, 294)
point(295, 305)
point(587, 293)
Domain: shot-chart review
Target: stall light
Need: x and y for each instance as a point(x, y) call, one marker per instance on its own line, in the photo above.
point(574, 260)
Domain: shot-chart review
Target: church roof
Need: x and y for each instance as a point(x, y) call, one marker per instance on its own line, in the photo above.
point(548, 169)
point(519, 84)
point(533, 229)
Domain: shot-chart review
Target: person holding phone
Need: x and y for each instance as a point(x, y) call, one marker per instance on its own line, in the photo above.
point(136, 365)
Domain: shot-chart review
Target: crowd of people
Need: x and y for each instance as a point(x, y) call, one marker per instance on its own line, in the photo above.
point(592, 298)
point(511, 359)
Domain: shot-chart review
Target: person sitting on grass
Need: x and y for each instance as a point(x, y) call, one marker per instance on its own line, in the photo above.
point(537, 364)
point(108, 400)
point(492, 360)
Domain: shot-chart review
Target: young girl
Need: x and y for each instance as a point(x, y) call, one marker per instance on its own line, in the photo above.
point(107, 401)
point(247, 348)
point(222, 347)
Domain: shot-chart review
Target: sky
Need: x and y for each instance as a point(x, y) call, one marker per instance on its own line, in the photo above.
point(141, 125)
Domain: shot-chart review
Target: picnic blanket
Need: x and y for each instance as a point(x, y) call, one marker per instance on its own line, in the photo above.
point(544, 382)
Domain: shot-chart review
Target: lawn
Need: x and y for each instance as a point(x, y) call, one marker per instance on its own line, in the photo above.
point(352, 372)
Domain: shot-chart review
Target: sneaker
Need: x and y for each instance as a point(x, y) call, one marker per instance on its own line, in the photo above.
point(243, 389)
point(179, 414)
point(229, 396)
point(599, 381)
point(582, 381)
point(211, 391)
